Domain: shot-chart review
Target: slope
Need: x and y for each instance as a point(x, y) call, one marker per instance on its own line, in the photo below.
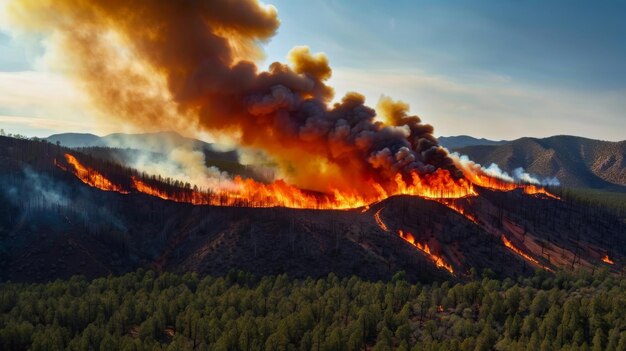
point(575, 161)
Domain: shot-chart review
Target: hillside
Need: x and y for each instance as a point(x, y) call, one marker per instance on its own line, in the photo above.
point(156, 142)
point(575, 161)
point(76, 139)
point(54, 226)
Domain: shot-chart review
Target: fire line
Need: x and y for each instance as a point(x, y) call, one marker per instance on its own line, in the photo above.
point(519, 252)
point(606, 259)
point(439, 186)
point(379, 221)
point(438, 260)
point(90, 176)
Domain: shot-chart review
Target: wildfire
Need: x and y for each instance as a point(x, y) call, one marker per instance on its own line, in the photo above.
point(438, 260)
point(477, 176)
point(487, 181)
point(90, 176)
point(534, 190)
point(436, 185)
point(511, 247)
point(439, 186)
point(606, 259)
point(143, 187)
point(248, 192)
point(459, 209)
point(380, 222)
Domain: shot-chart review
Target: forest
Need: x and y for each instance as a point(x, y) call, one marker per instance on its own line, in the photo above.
point(144, 310)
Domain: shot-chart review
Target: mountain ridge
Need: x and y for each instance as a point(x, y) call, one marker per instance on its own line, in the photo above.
point(457, 141)
point(55, 226)
point(576, 161)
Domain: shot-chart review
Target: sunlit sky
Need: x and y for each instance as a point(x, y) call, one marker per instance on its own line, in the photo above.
point(494, 69)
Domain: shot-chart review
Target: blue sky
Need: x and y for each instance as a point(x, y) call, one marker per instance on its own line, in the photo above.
point(495, 69)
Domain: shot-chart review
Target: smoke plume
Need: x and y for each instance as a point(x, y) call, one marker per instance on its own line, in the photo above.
point(189, 65)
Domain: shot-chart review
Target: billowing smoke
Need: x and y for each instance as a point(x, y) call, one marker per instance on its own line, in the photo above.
point(188, 65)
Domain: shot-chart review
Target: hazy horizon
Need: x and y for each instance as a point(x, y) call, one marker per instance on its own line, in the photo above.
point(102, 135)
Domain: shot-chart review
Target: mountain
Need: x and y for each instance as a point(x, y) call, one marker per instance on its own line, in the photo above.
point(121, 147)
point(76, 139)
point(455, 142)
point(52, 225)
point(576, 162)
point(161, 142)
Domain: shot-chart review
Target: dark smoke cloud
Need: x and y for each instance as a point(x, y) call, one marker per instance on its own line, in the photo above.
point(189, 64)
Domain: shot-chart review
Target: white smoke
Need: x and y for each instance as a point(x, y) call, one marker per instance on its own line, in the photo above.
point(170, 155)
point(519, 174)
point(185, 165)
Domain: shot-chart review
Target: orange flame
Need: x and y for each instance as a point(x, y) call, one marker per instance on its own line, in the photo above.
point(247, 192)
point(142, 187)
point(534, 190)
point(380, 222)
point(90, 176)
point(478, 177)
point(606, 259)
point(487, 181)
point(457, 208)
point(438, 260)
point(439, 186)
point(511, 247)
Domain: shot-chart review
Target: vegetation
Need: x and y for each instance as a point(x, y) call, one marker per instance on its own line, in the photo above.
point(613, 200)
point(146, 311)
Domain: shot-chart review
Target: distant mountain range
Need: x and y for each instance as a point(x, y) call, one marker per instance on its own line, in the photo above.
point(160, 142)
point(155, 142)
point(455, 142)
point(575, 161)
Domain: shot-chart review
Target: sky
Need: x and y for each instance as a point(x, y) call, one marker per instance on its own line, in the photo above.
point(495, 69)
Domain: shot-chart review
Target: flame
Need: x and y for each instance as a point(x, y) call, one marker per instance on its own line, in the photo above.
point(143, 187)
point(408, 237)
point(606, 259)
point(438, 260)
point(248, 192)
point(90, 176)
point(534, 190)
point(478, 177)
point(511, 247)
point(487, 181)
point(439, 186)
point(380, 222)
point(457, 208)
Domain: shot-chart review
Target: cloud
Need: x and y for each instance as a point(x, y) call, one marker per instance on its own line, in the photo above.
point(36, 123)
point(33, 88)
point(493, 106)
point(39, 103)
